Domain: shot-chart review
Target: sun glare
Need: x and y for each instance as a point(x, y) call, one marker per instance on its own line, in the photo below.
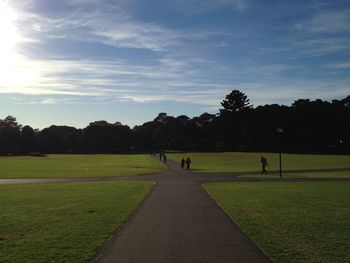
point(8, 31)
point(17, 72)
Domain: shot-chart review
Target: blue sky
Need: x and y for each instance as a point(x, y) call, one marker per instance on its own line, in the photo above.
point(75, 61)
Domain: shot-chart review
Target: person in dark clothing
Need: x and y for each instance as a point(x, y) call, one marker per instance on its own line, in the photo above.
point(264, 163)
point(164, 158)
point(183, 163)
point(188, 163)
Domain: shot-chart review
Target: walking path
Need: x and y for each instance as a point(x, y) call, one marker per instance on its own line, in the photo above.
point(178, 221)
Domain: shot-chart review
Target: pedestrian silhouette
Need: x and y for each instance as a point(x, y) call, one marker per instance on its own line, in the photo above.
point(183, 163)
point(188, 163)
point(164, 158)
point(264, 163)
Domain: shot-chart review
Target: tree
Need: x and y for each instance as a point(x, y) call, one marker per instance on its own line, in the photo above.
point(236, 101)
point(102, 136)
point(235, 108)
point(29, 140)
point(161, 117)
point(346, 102)
point(10, 133)
point(53, 138)
point(309, 126)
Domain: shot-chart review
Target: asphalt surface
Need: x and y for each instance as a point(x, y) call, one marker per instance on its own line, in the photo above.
point(178, 221)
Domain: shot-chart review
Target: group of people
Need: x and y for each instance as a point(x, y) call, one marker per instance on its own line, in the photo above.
point(188, 162)
point(163, 157)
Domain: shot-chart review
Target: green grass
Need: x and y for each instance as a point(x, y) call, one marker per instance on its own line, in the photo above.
point(250, 162)
point(292, 222)
point(69, 166)
point(333, 174)
point(63, 222)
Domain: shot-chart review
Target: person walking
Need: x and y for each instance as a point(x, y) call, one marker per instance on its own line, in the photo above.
point(164, 158)
point(183, 163)
point(264, 163)
point(188, 163)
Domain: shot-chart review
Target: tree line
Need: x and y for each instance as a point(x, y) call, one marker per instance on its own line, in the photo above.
point(305, 126)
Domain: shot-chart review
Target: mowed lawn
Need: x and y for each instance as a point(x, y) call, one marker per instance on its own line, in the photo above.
point(250, 162)
point(291, 222)
point(75, 166)
point(319, 174)
point(63, 222)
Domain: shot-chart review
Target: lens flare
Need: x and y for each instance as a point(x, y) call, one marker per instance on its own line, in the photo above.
point(17, 72)
point(8, 30)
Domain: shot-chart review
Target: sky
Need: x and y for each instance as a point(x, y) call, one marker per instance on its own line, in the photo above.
point(71, 62)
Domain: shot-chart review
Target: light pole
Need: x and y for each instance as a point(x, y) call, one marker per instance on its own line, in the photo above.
point(280, 131)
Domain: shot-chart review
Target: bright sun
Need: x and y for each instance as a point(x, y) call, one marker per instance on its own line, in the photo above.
point(17, 72)
point(8, 29)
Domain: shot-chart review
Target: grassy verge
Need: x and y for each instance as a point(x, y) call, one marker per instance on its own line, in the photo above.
point(69, 166)
point(336, 174)
point(250, 162)
point(63, 222)
point(292, 222)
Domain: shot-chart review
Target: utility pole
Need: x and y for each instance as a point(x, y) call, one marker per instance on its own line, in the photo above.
point(280, 132)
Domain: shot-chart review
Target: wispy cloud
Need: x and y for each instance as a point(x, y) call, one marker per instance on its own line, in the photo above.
point(327, 22)
point(286, 92)
point(170, 80)
point(146, 36)
point(340, 65)
point(109, 24)
point(205, 6)
point(315, 46)
point(195, 64)
point(44, 100)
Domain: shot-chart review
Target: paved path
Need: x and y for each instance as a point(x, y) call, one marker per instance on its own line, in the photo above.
point(178, 221)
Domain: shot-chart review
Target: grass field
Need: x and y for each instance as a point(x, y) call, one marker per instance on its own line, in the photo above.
point(63, 222)
point(333, 174)
point(68, 166)
point(250, 162)
point(292, 222)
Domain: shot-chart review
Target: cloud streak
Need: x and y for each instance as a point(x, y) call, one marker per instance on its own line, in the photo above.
point(110, 81)
point(88, 52)
point(327, 22)
point(110, 24)
point(207, 6)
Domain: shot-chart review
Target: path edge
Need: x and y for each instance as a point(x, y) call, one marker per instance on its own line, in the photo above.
point(115, 233)
point(233, 222)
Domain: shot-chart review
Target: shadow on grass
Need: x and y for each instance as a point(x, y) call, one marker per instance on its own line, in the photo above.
point(307, 173)
point(197, 169)
point(37, 155)
point(24, 155)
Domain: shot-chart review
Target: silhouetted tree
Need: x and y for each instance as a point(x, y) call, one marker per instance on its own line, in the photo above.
point(346, 102)
point(144, 138)
point(235, 101)
point(29, 140)
point(10, 134)
point(101, 136)
point(235, 108)
point(52, 139)
point(161, 117)
point(309, 126)
point(73, 141)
